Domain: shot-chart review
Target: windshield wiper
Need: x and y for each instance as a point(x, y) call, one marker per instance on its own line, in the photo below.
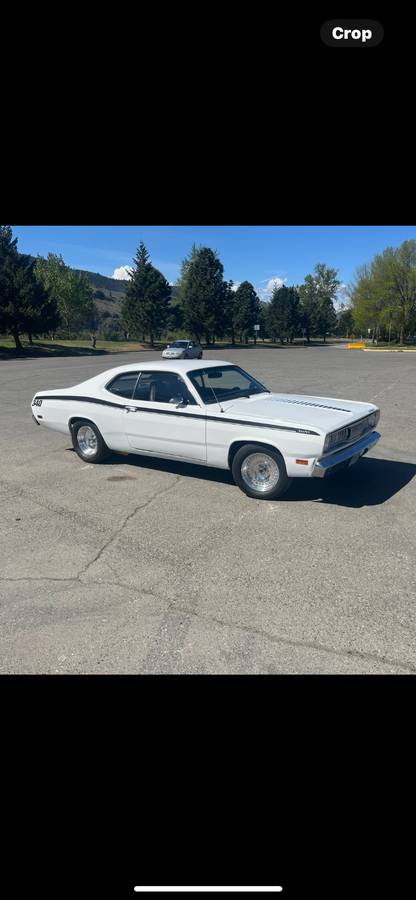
point(252, 393)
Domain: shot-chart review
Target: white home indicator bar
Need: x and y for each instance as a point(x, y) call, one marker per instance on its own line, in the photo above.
point(227, 889)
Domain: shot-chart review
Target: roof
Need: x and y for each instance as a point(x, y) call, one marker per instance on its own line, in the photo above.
point(171, 365)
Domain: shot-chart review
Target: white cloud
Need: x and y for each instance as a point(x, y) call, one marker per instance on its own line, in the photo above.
point(265, 293)
point(122, 273)
point(236, 285)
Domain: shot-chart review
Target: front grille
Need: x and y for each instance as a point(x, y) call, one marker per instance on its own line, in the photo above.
point(351, 433)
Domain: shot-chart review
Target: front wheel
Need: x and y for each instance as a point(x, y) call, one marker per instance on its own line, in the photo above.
point(260, 472)
point(88, 442)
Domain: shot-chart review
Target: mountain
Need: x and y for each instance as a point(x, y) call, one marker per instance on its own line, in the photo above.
point(108, 296)
point(104, 283)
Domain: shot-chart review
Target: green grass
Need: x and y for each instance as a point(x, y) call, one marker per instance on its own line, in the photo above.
point(65, 348)
point(47, 348)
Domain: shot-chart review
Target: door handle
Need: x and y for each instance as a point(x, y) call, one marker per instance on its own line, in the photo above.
point(131, 409)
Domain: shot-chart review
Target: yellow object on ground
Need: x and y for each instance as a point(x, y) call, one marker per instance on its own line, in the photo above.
point(356, 346)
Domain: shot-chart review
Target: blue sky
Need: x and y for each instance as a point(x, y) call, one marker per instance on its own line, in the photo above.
point(256, 253)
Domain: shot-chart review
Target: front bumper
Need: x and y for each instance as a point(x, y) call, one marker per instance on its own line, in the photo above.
point(327, 465)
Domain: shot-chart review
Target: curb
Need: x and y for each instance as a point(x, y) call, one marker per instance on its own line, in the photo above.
point(386, 350)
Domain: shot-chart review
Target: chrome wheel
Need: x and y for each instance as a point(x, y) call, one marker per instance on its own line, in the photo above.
point(87, 440)
point(260, 472)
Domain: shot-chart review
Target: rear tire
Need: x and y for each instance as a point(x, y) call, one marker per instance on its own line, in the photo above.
point(200, 355)
point(260, 472)
point(88, 443)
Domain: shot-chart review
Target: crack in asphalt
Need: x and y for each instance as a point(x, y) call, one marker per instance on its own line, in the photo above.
point(16, 491)
point(116, 533)
point(174, 607)
point(372, 657)
point(84, 570)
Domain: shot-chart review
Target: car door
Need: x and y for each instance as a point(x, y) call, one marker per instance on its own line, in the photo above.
point(164, 417)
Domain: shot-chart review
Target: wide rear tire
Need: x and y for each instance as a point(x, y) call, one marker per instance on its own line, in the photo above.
point(88, 442)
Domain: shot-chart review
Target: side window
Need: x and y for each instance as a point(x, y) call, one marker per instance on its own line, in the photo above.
point(142, 390)
point(162, 387)
point(123, 385)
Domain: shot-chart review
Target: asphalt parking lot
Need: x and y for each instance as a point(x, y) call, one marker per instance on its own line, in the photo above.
point(147, 566)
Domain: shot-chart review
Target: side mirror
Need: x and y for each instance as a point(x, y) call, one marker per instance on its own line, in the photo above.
point(178, 401)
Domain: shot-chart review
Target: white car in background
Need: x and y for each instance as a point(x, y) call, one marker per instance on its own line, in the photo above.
point(183, 350)
point(214, 414)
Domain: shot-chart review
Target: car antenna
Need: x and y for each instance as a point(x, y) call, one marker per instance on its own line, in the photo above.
point(216, 398)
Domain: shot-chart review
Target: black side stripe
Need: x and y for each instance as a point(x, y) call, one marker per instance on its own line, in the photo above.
point(169, 412)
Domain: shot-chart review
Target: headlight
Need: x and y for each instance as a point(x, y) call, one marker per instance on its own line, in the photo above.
point(352, 433)
point(335, 438)
point(373, 419)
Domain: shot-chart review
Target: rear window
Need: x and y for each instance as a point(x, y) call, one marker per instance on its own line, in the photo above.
point(123, 385)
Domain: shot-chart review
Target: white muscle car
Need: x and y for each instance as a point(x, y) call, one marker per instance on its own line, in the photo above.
point(211, 413)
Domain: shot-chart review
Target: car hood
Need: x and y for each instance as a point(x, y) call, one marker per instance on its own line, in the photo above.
point(326, 413)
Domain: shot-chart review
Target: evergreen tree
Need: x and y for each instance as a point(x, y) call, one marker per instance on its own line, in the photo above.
point(175, 316)
point(229, 309)
point(263, 319)
point(247, 310)
point(25, 305)
point(284, 315)
point(145, 308)
point(202, 293)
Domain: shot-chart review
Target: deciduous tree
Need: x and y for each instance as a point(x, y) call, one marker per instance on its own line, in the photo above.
point(70, 290)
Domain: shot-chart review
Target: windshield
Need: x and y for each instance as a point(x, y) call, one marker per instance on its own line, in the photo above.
point(224, 383)
point(179, 344)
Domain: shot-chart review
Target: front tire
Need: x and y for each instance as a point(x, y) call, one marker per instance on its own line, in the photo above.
point(88, 443)
point(260, 472)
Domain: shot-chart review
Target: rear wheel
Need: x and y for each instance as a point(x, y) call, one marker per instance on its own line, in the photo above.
point(200, 355)
point(260, 472)
point(88, 442)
